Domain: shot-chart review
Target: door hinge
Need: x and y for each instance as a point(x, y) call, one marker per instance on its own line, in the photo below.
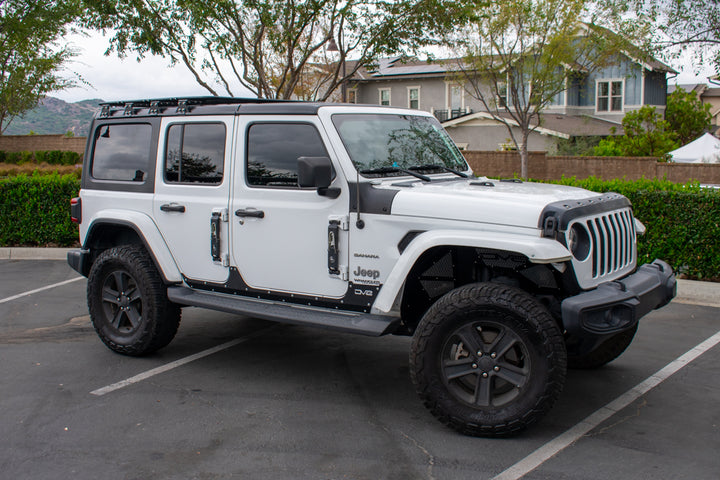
point(344, 272)
point(342, 220)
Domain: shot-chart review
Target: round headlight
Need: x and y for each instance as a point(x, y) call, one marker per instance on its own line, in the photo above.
point(578, 240)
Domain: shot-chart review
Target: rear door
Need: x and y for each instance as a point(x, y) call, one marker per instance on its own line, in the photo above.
point(192, 191)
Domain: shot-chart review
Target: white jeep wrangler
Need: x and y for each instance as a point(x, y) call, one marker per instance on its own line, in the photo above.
point(360, 219)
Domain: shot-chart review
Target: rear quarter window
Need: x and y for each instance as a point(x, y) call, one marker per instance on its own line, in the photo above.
point(122, 152)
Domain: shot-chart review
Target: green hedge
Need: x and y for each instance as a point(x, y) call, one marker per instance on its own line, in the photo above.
point(35, 210)
point(51, 157)
point(682, 221)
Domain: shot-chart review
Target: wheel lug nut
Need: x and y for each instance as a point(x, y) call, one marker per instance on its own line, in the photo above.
point(484, 374)
point(479, 353)
point(496, 368)
point(493, 355)
point(474, 365)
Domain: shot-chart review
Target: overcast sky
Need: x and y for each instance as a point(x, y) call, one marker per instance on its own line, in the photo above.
point(111, 78)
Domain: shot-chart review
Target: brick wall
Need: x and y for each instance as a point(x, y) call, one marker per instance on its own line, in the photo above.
point(545, 167)
point(34, 143)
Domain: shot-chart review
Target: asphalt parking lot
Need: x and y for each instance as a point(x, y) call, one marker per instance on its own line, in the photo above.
point(288, 402)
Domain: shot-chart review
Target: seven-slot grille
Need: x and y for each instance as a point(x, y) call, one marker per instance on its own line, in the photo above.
point(613, 239)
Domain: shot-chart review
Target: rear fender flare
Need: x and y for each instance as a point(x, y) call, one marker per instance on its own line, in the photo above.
point(148, 233)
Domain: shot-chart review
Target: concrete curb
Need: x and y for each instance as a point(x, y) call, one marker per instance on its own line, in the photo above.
point(31, 253)
point(689, 291)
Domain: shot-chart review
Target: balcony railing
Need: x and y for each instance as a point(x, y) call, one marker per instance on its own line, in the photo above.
point(445, 115)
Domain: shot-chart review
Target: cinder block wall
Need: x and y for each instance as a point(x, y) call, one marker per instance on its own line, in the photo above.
point(543, 167)
point(34, 143)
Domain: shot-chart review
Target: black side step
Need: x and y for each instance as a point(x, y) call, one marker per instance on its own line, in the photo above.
point(350, 322)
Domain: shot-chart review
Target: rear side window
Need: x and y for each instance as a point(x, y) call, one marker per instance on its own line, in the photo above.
point(122, 152)
point(273, 151)
point(195, 153)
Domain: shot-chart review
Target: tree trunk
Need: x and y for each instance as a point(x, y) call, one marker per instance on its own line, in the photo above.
point(522, 148)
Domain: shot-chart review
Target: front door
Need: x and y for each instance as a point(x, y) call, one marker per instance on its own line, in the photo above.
point(192, 192)
point(280, 233)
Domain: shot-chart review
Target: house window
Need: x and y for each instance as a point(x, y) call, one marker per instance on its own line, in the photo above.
point(384, 96)
point(502, 96)
point(610, 96)
point(352, 95)
point(456, 97)
point(414, 97)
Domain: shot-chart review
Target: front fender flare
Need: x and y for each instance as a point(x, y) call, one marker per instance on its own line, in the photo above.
point(536, 249)
point(148, 232)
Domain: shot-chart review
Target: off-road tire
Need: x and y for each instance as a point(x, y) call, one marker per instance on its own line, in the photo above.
point(519, 341)
point(608, 351)
point(128, 302)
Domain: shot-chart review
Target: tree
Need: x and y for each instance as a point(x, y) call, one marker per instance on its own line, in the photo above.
point(274, 48)
point(29, 59)
point(517, 56)
point(685, 26)
point(647, 134)
point(687, 116)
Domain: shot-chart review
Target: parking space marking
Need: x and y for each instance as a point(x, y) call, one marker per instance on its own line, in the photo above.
point(41, 289)
point(561, 442)
point(177, 363)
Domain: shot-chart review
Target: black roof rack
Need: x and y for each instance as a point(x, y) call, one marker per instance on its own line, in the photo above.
point(177, 101)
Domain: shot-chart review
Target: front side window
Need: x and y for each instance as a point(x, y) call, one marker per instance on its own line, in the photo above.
point(609, 96)
point(273, 150)
point(379, 145)
point(195, 153)
point(122, 151)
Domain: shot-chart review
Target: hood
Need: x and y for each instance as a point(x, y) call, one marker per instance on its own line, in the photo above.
point(481, 200)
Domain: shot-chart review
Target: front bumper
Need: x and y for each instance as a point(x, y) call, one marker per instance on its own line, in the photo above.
point(617, 306)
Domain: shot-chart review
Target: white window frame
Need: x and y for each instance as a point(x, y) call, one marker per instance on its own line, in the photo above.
point(500, 101)
point(409, 100)
point(380, 95)
point(610, 96)
point(448, 95)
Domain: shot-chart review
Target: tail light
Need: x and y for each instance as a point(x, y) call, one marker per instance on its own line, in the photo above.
point(76, 210)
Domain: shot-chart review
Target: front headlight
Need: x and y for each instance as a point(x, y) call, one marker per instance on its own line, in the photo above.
point(578, 241)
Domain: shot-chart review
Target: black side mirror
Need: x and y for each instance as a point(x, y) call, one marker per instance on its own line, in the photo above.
point(316, 172)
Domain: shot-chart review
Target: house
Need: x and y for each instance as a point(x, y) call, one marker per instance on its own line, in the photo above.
point(592, 105)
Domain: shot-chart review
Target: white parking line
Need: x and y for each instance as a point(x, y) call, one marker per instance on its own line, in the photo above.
point(177, 363)
point(561, 442)
point(48, 287)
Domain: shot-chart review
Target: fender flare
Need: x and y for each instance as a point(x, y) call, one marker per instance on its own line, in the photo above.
point(148, 233)
point(536, 249)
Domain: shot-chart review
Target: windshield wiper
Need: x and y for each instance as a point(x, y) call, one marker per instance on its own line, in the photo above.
point(436, 166)
point(380, 170)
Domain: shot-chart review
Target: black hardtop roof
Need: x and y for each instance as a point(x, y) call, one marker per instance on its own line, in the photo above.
point(205, 106)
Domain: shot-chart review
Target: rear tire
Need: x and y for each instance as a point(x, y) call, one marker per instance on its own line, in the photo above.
point(128, 302)
point(488, 360)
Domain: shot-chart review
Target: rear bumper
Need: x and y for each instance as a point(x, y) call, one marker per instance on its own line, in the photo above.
point(617, 306)
point(79, 260)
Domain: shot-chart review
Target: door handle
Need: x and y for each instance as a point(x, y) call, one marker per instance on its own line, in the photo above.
point(172, 207)
point(250, 213)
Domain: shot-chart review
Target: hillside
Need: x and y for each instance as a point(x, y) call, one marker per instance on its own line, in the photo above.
point(56, 116)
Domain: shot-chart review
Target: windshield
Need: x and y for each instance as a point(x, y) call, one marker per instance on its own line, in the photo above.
point(385, 145)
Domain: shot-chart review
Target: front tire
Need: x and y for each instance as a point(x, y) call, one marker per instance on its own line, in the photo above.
point(128, 302)
point(488, 360)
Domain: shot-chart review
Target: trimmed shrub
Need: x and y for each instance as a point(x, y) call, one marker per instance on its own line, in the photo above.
point(35, 210)
point(51, 157)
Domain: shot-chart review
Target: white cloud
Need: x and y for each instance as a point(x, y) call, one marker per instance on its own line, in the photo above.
point(111, 78)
